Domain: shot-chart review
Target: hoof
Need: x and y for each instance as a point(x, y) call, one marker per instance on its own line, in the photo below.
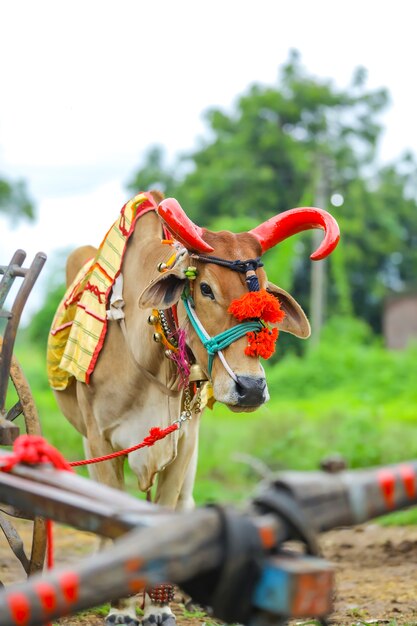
point(193, 607)
point(159, 619)
point(121, 618)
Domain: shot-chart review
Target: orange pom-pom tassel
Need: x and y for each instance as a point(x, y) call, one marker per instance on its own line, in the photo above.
point(262, 343)
point(263, 306)
point(257, 304)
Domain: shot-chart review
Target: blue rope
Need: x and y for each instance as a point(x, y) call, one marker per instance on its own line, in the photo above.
point(224, 339)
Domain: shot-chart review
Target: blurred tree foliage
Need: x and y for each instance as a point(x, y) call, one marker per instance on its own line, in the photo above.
point(14, 200)
point(40, 324)
point(154, 174)
point(269, 154)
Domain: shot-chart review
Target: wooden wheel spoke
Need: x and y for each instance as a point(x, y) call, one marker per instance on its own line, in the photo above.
point(37, 555)
point(12, 511)
point(25, 406)
point(8, 432)
point(15, 542)
point(14, 411)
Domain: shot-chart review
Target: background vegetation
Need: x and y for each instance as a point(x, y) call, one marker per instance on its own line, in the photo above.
point(348, 395)
point(282, 146)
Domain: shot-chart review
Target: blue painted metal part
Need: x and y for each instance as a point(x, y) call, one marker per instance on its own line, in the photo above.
point(296, 586)
point(272, 591)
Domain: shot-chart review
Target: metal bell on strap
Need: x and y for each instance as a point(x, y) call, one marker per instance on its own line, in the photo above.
point(196, 373)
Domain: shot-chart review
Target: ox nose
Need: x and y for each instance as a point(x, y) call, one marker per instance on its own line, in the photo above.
point(251, 391)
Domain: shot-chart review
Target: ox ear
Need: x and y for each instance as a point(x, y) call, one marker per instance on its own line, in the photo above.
point(295, 320)
point(164, 291)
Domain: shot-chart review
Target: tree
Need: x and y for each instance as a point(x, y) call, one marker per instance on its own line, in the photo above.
point(154, 174)
point(14, 200)
point(40, 324)
point(269, 154)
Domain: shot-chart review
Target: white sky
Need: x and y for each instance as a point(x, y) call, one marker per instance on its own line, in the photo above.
point(88, 86)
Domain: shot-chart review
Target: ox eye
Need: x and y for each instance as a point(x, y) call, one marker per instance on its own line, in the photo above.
point(206, 291)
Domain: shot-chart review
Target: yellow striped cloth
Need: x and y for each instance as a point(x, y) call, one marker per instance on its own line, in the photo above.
point(80, 324)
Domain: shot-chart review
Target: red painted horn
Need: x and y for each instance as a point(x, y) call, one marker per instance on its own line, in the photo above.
point(182, 228)
point(294, 221)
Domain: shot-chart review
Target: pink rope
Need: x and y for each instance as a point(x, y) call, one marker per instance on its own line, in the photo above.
point(180, 359)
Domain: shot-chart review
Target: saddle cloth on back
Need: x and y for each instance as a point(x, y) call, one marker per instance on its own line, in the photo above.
point(79, 326)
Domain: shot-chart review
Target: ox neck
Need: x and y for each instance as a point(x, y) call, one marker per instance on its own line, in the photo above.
point(168, 391)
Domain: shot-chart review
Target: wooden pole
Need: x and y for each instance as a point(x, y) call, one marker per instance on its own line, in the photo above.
point(318, 287)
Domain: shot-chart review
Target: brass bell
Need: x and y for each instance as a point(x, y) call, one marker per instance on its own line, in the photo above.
point(161, 267)
point(157, 337)
point(153, 319)
point(196, 373)
point(168, 353)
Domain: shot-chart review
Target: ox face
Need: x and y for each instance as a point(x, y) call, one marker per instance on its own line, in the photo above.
point(238, 379)
point(213, 290)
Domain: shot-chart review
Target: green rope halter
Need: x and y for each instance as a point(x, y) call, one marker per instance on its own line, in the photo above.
point(222, 340)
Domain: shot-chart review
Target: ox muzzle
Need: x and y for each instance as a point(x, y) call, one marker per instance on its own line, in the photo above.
point(251, 392)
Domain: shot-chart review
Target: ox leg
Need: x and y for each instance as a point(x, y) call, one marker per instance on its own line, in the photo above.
point(175, 487)
point(126, 615)
point(186, 499)
point(178, 476)
point(108, 472)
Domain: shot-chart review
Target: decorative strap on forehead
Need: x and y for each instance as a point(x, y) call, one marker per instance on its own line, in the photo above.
point(247, 267)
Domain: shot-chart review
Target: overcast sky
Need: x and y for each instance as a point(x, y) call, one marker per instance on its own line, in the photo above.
point(88, 86)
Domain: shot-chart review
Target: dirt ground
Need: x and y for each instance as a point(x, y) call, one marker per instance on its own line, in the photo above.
point(376, 574)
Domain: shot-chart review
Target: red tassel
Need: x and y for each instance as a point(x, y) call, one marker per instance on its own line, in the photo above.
point(257, 304)
point(262, 343)
point(264, 306)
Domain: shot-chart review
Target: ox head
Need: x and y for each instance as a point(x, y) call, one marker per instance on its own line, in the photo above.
point(216, 270)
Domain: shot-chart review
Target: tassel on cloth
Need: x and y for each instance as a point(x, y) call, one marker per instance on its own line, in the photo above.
point(264, 306)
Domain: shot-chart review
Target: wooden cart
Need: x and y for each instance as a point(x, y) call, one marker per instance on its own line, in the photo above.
point(21, 402)
point(236, 561)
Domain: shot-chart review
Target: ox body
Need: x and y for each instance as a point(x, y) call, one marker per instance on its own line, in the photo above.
point(134, 386)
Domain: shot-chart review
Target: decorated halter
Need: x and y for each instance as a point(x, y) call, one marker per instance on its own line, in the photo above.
point(215, 345)
point(247, 267)
point(257, 307)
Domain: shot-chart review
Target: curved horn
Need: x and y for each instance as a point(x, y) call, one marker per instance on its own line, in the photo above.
point(180, 225)
point(294, 221)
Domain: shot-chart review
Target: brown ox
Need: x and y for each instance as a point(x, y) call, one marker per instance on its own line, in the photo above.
point(135, 387)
